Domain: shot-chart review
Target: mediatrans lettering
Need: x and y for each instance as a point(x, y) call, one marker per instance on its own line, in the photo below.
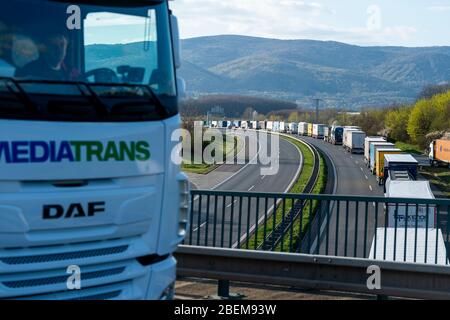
point(73, 151)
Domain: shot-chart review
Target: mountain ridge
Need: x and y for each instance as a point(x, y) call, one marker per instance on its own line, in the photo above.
point(299, 70)
point(342, 75)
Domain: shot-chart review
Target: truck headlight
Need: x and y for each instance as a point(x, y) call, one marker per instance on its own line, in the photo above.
point(185, 204)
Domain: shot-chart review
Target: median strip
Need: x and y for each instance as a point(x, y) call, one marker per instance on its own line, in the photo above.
point(298, 187)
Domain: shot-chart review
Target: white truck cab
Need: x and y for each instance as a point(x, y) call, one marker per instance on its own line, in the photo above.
point(91, 205)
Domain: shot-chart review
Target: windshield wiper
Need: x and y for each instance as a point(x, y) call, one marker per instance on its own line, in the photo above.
point(151, 96)
point(16, 90)
point(101, 108)
point(145, 105)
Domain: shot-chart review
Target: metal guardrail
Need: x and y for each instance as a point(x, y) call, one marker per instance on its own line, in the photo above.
point(329, 225)
point(314, 272)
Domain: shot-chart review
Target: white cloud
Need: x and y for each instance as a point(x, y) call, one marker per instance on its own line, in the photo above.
point(439, 8)
point(259, 17)
point(282, 19)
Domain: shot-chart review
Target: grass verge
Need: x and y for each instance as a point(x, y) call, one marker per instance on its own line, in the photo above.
point(204, 168)
point(409, 148)
point(440, 177)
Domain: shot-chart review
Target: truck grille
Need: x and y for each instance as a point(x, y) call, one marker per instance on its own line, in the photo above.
point(104, 292)
point(63, 256)
point(107, 269)
point(61, 279)
point(101, 296)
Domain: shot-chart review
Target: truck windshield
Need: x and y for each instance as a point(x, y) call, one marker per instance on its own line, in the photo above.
point(86, 60)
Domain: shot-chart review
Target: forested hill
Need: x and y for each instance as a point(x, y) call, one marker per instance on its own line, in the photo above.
point(298, 70)
point(344, 76)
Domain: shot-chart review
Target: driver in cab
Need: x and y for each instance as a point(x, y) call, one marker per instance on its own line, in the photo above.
point(50, 65)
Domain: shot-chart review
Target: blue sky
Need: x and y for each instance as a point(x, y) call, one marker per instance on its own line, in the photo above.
point(361, 22)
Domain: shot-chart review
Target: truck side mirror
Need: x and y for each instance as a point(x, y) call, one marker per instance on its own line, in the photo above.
point(181, 85)
point(176, 41)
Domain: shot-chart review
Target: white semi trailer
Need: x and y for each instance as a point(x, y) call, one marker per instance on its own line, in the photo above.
point(354, 141)
point(87, 181)
point(367, 143)
point(412, 216)
point(421, 246)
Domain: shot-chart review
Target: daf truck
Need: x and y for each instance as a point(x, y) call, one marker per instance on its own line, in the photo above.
point(88, 105)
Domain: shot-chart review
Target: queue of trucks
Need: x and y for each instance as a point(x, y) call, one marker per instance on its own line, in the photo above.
point(397, 172)
point(352, 138)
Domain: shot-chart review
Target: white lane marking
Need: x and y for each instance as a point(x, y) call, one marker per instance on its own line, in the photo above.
point(263, 177)
point(356, 162)
point(240, 170)
point(362, 169)
point(231, 203)
point(251, 188)
point(370, 187)
point(367, 178)
point(201, 226)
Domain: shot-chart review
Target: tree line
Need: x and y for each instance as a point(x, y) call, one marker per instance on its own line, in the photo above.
point(420, 123)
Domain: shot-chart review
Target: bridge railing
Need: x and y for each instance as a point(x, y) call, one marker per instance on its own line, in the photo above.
point(403, 230)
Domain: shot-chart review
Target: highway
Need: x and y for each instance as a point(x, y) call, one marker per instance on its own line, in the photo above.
point(353, 178)
point(247, 178)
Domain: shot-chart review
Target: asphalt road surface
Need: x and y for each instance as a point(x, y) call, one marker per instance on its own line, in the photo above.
point(349, 232)
point(213, 227)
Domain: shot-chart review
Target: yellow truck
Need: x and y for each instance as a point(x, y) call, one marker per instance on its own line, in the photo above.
point(310, 129)
point(379, 165)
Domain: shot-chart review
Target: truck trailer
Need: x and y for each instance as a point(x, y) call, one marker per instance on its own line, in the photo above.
point(262, 125)
point(367, 143)
point(88, 185)
point(389, 244)
point(310, 129)
point(327, 134)
point(318, 131)
point(374, 146)
point(379, 166)
point(276, 126)
point(400, 163)
point(440, 152)
point(354, 141)
point(345, 135)
point(412, 216)
point(269, 125)
point(293, 128)
point(303, 128)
